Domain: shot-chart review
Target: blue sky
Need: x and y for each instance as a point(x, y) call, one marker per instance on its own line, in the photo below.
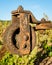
point(37, 7)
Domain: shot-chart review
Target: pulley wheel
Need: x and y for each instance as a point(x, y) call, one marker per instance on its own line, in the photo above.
point(17, 41)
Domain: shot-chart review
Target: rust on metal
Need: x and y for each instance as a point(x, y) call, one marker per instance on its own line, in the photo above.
point(44, 24)
point(20, 37)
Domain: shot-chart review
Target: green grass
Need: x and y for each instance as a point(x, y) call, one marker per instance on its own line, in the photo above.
point(44, 40)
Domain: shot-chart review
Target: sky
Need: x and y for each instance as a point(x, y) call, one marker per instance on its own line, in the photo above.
point(37, 7)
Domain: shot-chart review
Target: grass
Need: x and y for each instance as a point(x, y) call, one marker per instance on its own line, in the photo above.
point(43, 40)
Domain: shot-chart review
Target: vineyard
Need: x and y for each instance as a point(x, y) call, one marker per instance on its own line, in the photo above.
point(42, 50)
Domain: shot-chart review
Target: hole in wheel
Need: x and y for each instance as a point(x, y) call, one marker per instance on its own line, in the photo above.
point(25, 46)
point(16, 32)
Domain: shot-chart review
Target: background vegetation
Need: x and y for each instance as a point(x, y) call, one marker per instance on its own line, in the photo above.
point(43, 48)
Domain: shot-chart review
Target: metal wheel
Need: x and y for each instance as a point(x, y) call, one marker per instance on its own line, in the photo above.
point(17, 42)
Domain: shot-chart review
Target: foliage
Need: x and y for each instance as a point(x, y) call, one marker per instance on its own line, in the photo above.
point(44, 40)
point(10, 59)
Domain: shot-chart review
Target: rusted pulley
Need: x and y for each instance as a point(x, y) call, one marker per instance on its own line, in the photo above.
point(20, 37)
